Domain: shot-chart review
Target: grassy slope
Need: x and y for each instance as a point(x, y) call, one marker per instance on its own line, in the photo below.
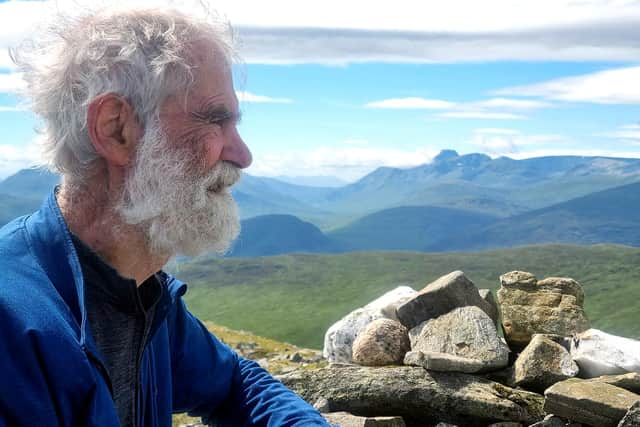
point(295, 298)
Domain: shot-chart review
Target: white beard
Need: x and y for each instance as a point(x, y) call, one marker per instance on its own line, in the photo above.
point(173, 202)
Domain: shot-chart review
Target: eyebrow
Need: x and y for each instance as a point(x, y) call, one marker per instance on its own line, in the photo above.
point(215, 113)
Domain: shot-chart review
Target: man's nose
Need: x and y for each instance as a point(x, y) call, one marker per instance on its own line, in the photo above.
point(237, 153)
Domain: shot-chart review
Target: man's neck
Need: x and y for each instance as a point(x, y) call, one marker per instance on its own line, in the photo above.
point(90, 214)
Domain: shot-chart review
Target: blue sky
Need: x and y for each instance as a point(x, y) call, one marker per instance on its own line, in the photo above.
point(339, 89)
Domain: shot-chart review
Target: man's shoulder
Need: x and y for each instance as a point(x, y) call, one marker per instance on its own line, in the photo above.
point(28, 298)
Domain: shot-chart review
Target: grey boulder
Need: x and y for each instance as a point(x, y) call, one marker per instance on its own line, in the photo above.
point(463, 340)
point(441, 296)
point(383, 342)
point(543, 363)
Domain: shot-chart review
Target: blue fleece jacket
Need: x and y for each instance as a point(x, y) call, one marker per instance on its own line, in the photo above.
point(51, 373)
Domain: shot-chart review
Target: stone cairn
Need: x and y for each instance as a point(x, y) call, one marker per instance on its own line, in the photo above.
point(437, 358)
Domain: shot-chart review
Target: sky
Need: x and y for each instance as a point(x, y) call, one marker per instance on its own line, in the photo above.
point(339, 88)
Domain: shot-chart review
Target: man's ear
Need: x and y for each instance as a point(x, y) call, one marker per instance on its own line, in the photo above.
point(113, 128)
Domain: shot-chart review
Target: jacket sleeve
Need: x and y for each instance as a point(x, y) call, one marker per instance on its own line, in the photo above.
point(213, 382)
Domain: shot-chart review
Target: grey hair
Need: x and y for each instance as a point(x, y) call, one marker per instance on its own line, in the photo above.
point(141, 55)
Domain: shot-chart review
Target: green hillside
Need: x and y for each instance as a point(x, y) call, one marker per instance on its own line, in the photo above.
point(278, 234)
point(295, 298)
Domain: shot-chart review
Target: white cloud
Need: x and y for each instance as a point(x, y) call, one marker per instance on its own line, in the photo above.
point(348, 163)
point(411, 103)
point(11, 82)
point(14, 158)
point(614, 86)
point(514, 144)
point(480, 115)
point(511, 104)
point(289, 31)
point(244, 96)
point(497, 131)
point(355, 141)
point(11, 108)
point(629, 133)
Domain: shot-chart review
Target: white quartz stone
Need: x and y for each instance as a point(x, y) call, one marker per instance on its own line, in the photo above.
point(598, 353)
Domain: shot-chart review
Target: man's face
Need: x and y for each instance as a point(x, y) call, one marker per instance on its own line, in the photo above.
point(178, 188)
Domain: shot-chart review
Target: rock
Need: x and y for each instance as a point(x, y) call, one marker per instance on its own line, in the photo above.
point(554, 421)
point(296, 357)
point(468, 338)
point(487, 295)
point(445, 425)
point(389, 302)
point(505, 424)
point(419, 396)
point(519, 280)
point(322, 405)
point(383, 342)
point(589, 402)
point(598, 353)
point(630, 381)
point(345, 419)
point(632, 417)
point(445, 294)
point(443, 362)
point(550, 306)
point(339, 338)
point(543, 363)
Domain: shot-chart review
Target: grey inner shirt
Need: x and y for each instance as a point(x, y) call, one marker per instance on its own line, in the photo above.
point(120, 316)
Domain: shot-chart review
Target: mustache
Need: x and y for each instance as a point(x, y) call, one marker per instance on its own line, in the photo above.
point(223, 175)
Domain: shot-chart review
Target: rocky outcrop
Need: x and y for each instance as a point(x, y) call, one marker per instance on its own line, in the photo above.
point(550, 306)
point(454, 335)
point(345, 419)
point(383, 342)
point(441, 296)
point(463, 340)
point(420, 397)
point(543, 363)
point(339, 338)
point(598, 353)
point(589, 402)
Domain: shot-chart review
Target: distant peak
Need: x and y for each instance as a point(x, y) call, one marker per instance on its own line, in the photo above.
point(445, 155)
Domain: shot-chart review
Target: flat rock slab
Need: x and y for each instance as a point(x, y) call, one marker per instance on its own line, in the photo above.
point(589, 402)
point(441, 296)
point(420, 397)
point(345, 419)
point(630, 381)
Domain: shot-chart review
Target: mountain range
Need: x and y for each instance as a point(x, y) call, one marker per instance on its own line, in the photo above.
point(456, 202)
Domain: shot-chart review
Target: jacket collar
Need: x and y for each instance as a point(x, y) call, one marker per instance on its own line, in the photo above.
point(51, 244)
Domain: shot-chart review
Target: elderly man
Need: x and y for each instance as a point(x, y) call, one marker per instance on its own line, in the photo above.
point(140, 116)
